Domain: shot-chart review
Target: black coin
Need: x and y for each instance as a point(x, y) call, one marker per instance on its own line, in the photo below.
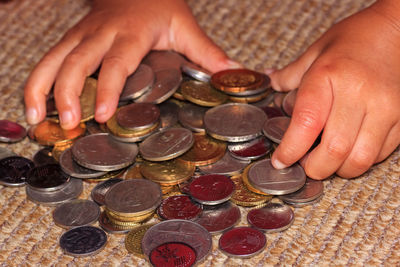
point(83, 241)
point(44, 157)
point(13, 170)
point(48, 177)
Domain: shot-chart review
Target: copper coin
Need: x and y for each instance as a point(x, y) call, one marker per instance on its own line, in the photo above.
point(47, 178)
point(237, 80)
point(212, 189)
point(11, 132)
point(312, 190)
point(138, 116)
point(202, 94)
point(251, 150)
point(195, 71)
point(49, 133)
point(77, 212)
point(288, 102)
point(44, 156)
point(191, 117)
point(274, 217)
point(242, 242)
point(138, 83)
point(227, 165)
point(219, 218)
point(169, 114)
point(275, 128)
point(179, 207)
point(278, 99)
point(14, 170)
point(173, 254)
point(98, 193)
point(70, 167)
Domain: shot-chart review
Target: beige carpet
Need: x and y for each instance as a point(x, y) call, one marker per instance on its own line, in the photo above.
point(356, 223)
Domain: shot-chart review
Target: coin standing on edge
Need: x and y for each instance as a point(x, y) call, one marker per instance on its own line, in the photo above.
point(219, 218)
point(275, 128)
point(195, 71)
point(138, 83)
point(274, 217)
point(77, 212)
point(191, 117)
point(288, 102)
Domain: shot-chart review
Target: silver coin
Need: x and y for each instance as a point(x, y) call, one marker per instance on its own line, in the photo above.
point(76, 212)
point(5, 153)
point(278, 99)
point(273, 217)
point(302, 204)
point(266, 102)
point(275, 128)
point(83, 241)
point(263, 176)
point(191, 117)
point(266, 85)
point(72, 190)
point(102, 152)
point(219, 218)
point(44, 156)
point(47, 178)
point(161, 60)
point(312, 190)
point(196, 72)
point(288, 102)
point(234, 122)
point(251, 150)
point(137, 196)
point(167, 144)
point(227, 165)
point(138, 83)
point(98, 193)
point(188, 232)
point(168, 114)
point(133, 139)
point(70, 167)
point(138, 116)
point(14, 170)
point(166, 83)
point(109, 227)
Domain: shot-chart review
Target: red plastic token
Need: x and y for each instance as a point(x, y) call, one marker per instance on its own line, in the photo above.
point(179, 207)
point(242, 242)
point(212, 189)
point(173, 255)
point(274, 217)
point(11, 131)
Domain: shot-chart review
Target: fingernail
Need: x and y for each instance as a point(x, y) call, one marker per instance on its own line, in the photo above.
point(101, 110)
point(32, 116)
point(234, 65)
point(278, 165)
point(66, 118)
point(269, 71)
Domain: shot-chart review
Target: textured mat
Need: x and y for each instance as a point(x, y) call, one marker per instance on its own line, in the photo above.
point(357, 221)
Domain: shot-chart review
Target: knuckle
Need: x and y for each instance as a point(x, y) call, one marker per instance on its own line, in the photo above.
point(75, 58)
point(338, 148)
point(117, 62)
point(362, 159)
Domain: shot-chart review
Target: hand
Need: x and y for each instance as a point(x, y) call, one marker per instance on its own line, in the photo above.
point(116, 34)
point(349, 87)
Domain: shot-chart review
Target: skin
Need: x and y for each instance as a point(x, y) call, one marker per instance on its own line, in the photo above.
point(348, 79)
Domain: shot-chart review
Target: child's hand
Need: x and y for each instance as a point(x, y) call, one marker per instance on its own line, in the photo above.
point(349, 85)
point(118, 34)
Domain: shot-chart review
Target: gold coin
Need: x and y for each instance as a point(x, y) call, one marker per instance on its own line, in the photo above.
point(133, 172)
point(49, 133)
point(173, 191)
point(121, 218)
point(133, 240)
point(170, 172)
point(178, 94)
point(202, 94)
point(250, 98)
point(237, 80)
point(108, 175)
point(205, 150)
point(59, 148)
point(244, 197)
point(87, 99)
point(246, 182)
point(165, 189)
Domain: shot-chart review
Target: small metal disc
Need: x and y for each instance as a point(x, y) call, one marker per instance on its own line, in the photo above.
point(168, 114)
point(227, 165)
point(273, 217)
point(166, 83)
point(109, 227)
point(133, 240)
point(302, 204)
point(183, 255)
point(103, 153)
point(234, 122)
point(87, 99)
point(77, 212)
point(273, 112)
point(278, 99)
point(242, 242)
point(83, 241)
point(196, 72)
point(164, 59)
point(263, 176)
point(169, 143)
point(275, 128)
point(98, 193)
point(5, 153)
point(93, 127)
point(179, 207)
point(191, 117)
point(255, 94)
point(138, 83)
point(11, 132)
point(238, 80)
point(211, 189)
point(14, 170)
point(312, 190)
point(44, 157)
point(47, 178)
point(219, 218)
point(138, 116)
point(251, 150)
point(202, 94)
point(70, 167)
point(288, 102)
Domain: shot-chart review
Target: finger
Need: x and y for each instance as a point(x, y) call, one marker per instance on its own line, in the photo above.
point(120, 61)
point(80, 63)
point(313, 103)
point(392, 141)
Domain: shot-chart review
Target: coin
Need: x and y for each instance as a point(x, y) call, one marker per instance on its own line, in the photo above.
point(170, 143)
point(99, 191)
point(237, 80)
point(168, 114)
point(227, 165)
point(161, 60)
point(173, 254)
point(312, 190)
point(195, 71)
point(133, 240)
point(274, 217)
point(288, 102)
point(244, 197)
point(275, 128)
point(133, 172)
point(11, 132)
point(191, 117)
point(49, 133)
point(102, 153)
point(302, 204)
point(245, 179)
point(138, 83)
point(263, 176)
point(93, 127)
point(105, 177)
point(202, 94)
point(87, 99)
point(169, 172)
point(77, 212)
point(234, 122)
point(59, 148)
point(242, 242)
point(219, 218)
point(278, 99)
point(46, 178)
point(83, 241)
point(138, 116)
point(5, 153)
point(14, 170)
point(250, 98)
point(109, 227)
point(211, 189)
point(133, 197)
point(69, 166)
point(128, 220)
point(179, 207)
point(184, 231)
point(273, 112)
point(251, 150)
point(43, 157)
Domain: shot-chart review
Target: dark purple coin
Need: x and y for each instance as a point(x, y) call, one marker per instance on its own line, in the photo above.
point(212, 189)
point(273, 112)
point(243, 242)
point(173, 254)
point(13, 170)
point(44, 157)
point(219, 218)
point(47, 178)
point(274, 217)
point(179, 207)
point(253, 149)
point(11, 131)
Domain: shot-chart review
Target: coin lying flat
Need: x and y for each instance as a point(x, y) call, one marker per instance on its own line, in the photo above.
point(138, 116)
point(77, 212)
point(111, 228)
point(227, 165)
point(103, 153)
point(312, 190)
point(14, 170)
point(69, 166)
point(11, 132)
point(275, 128)
point(195, 71)
point(234, 122)
point(49, 133)
point(219, 218)
point(99, 191)
point(237, 80)
point(47, 178)
point(244, 197)
point(161, 255)
point(288, 102)
point(211, 189)
point(133, 240)
point(44, 156)
point(202, 93)
point(179, 207)
point(251, 150)
point(161, 60)
point(274, 217)
point(191, 117)
point(138, 83)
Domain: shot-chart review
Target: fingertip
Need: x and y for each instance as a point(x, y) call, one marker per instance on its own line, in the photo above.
point(68, 120)
point(32, 116)
point(104, 112)
point(278, 164)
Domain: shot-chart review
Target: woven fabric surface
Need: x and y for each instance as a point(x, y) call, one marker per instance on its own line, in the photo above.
point(356, 222)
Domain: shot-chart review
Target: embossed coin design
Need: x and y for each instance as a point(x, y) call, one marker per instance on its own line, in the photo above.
point(47, 178)
point(202, 93)
point(173, 254)
point(219, 218)
point(275, 128)
point(14, 170)
point(179, 207)
point(83, 241)
point(99, 191)
point(138, 83)
point(102, 153)
point(191, 117)
point(237, 80)
point(69, 166)
point(227, 165)
point(133, 240)
point(77, 212)
point(138, 116)
point(212, 189)
point(234, 122)
point(274, 217)
point(251, 150)
point(313, 189)
point(244, 197)
point(11, 132)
